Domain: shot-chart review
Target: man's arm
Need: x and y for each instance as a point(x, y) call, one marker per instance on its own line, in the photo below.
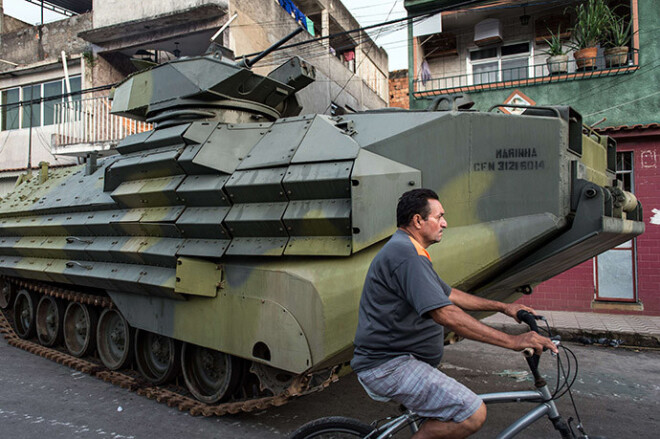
point(467, 326)
point(470, 302)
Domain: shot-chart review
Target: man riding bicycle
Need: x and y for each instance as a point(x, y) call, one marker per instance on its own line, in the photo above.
point(403, 311)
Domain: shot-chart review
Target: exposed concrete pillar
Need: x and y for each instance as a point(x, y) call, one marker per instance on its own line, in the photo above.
point(325, 26)
point(2, 18)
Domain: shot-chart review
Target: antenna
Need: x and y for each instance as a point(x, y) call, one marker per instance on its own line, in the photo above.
point(224, 26)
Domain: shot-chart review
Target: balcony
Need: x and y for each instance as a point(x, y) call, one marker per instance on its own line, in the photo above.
point(537, 74)
point(86, 125)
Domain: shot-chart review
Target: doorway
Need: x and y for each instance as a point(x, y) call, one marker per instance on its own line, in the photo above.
point(616, 269)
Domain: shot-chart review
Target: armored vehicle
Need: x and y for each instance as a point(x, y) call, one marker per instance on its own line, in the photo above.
point(229, 244)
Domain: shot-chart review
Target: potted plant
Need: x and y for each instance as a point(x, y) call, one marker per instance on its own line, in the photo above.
point(591, 22)
point(557, 59)
point(618, 39)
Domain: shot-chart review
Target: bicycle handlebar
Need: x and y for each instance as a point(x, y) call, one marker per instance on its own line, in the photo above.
point(531, 357)
point(528, 318)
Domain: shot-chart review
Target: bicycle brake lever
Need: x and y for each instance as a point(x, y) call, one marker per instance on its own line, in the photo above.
point(556, 343)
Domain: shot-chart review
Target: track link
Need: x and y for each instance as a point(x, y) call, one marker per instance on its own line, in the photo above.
point(301, 385)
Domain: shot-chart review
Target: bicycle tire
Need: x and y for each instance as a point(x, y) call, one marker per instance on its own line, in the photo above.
point(333, 427)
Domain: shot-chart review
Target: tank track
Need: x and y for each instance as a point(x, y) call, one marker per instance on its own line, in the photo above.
point(302, 384)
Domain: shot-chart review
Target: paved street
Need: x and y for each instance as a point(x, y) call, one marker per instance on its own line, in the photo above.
point(618, 393)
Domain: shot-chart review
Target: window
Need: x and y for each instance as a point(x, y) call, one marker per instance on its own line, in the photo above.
point(17, 112)
point(51, 89)
point(508, 62)
point(31, 111)
point(10, 109)
point(624, 170)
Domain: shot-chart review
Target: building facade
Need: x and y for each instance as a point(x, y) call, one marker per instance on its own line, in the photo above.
point(496, 52)
point(43, 68)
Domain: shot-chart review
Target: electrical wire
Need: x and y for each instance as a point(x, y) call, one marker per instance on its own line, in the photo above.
point(622, 104)
point(307, 49)
point(358, 66)
point(25, 103)
point(600, 88)
point(373, 26)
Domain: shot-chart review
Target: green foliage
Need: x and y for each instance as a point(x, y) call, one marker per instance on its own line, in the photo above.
point(592, 20)
point(618, 32)
point(555, 46)
point(88, 55)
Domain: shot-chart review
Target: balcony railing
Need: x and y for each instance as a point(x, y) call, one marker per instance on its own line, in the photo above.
point(87, 125)
point(520, 77)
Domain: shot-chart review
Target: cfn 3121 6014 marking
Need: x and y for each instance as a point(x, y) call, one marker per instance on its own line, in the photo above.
point(509, 165)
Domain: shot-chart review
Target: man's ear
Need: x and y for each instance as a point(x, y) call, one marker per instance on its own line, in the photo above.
point(417, 221)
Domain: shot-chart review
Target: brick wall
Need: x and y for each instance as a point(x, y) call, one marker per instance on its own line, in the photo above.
point(399, 89)
point(647, 189)
point(574, 289)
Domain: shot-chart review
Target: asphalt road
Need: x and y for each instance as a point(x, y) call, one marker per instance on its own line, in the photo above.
point(617, 392)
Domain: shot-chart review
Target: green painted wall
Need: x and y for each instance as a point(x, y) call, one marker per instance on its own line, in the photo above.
point(627, 99)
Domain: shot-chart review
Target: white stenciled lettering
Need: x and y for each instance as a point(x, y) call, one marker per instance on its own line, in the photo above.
point(655, 219)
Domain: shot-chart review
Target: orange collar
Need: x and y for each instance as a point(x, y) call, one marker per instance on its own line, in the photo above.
point(420, 249)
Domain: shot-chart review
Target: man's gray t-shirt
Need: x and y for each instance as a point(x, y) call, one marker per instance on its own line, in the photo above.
point(400, 289)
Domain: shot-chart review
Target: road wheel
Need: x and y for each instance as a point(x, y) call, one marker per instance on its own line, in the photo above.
point(157, 357)
point(24, 311)
point(7, 292)
point(210, 375)
point(79, 324)
point(113, 339)
point(50, 314)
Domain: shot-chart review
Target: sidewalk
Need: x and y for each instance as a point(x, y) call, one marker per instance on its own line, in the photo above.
point(630, 330)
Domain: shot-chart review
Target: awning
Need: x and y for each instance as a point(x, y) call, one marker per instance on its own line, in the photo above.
point(75, 6)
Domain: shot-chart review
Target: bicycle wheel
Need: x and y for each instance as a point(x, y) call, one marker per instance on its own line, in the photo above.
point(334, 427)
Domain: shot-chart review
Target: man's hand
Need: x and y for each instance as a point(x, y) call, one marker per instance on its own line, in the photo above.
point(511, 309)
point(533, 340)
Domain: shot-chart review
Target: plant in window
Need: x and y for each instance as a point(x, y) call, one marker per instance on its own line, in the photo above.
point(557, 58)
point(618, 39)
point(591, 24)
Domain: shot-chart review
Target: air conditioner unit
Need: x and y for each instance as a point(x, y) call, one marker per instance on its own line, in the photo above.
point(488, 31)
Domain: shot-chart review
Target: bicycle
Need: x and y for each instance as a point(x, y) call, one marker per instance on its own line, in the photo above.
point(339, 427)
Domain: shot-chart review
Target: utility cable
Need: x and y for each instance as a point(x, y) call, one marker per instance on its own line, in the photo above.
point(357, 68)
point(622, 104)
point(373, 26)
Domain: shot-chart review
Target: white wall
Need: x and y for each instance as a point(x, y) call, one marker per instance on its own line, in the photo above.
point(15, 144)
point(109, 12)
point(455, 65)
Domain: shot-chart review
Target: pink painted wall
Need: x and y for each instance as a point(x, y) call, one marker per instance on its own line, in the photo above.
point(574, 290)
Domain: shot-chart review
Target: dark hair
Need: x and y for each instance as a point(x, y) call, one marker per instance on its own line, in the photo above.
point(412, 203)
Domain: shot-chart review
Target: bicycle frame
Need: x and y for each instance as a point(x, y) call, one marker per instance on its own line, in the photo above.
point(393, 425)
point(542, 395)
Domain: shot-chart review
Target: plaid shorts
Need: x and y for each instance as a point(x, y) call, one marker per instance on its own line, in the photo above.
point(421, 388)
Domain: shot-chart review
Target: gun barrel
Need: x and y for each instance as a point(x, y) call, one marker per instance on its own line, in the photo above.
point(250, 62)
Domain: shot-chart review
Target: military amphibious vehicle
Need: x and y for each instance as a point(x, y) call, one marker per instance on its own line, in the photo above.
point(227, 247)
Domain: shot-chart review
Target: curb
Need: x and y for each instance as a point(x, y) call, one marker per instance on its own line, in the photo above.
point(591, 336)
